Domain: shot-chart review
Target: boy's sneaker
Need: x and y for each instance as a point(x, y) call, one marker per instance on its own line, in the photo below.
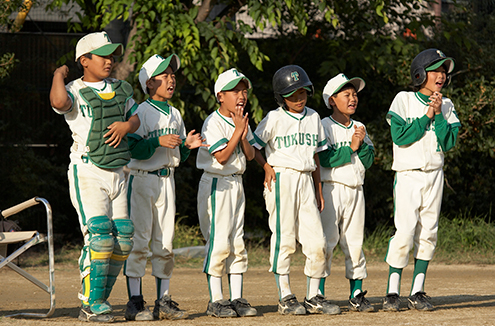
point(391, 302)
point(419, 301)
point(360, 304)
point(243, 308)
point(319, 305)
point(85, 314)
point(136, 309)
point(221, 308)
point(166, 308)
point(290, 306)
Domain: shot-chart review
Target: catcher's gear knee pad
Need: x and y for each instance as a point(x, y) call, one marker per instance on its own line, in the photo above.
point(123, 230)
point(101, 248)
point(99, 225)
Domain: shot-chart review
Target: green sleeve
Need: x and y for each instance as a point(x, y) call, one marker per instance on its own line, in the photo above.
point(366, 154)
point(446, 133)
point(142, 149)
point(184, 151)
point(331, 157)
point(407, 133)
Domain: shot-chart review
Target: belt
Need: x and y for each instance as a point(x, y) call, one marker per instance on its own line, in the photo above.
point(165, 172)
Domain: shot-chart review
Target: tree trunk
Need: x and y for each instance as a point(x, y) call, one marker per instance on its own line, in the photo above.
point(124, 68)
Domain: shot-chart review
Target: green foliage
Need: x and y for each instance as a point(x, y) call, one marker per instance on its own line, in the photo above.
point(7, 63)
point(466, 238)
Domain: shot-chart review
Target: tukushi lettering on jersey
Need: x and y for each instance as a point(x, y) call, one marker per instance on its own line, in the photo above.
point(162, 131)
point(296, 139)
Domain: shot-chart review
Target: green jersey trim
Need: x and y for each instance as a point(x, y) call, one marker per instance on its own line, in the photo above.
point(221, 116)
point(162, 107)
point(129, 113)
point(259, 141)
point(341, 125)
point(422, 97)
point(396, 116)
point(290, 115)
point(217, 144)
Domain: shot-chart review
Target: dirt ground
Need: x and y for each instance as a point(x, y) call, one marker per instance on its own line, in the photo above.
point(462, 295)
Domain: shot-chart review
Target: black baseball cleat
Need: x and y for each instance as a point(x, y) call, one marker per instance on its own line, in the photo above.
point(360, 304)
point(391, 302)
point(166, 308)
point(243, 308)
point(419, 301)
point(85, 314)
point(221, 309)
point(319, 305)
point(136, 309)
point(290, 306)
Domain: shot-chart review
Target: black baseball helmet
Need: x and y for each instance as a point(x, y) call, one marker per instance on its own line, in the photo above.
point(427, 60)
point(289, 79)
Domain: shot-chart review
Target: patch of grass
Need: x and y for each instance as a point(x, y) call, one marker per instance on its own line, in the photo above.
point(461, 240)
point(187, 236)
point(465, 239)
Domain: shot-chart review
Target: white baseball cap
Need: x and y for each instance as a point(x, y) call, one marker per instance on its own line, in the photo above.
point(155, 66)
point(98, 43)
point(336, 83)
point(229, 79)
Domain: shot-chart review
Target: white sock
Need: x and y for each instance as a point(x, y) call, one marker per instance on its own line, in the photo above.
point(418, 284)
point(215, 287)
point(283, 285)
point(393, 283)
point(164, 284)
point(313, 285)
point(134, 286)
point(356, 293)
point(235, 286)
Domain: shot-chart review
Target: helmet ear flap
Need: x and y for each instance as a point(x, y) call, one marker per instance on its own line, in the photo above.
point(447, 80)
point(418, 76)
point(279, 99)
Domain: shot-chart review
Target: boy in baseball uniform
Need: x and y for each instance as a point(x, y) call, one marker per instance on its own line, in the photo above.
point(343, 166)
point(292, 135)
point(157, 148)
point(99, 111)
point(221, 194)
point(423, 125)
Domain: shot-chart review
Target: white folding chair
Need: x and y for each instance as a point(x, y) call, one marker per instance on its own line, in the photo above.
point(30, 238)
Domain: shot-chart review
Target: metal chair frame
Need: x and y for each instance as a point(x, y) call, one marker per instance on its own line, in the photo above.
point(32, 238)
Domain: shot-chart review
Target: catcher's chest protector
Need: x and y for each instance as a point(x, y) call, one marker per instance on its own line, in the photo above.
point(105, 112)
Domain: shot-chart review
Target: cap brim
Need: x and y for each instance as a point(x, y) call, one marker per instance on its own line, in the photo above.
point(233, 83)
point(172, 61)
point(114, 48)
point(356, 82)
point(438, 64)
point(289, 94)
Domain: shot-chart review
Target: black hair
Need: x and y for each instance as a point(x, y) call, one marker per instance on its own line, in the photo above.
point(79, 65)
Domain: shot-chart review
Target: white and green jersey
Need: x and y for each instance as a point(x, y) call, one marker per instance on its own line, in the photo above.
point(339, 163)
point(419, 142)
point(80, 116)
point(290, 139)
point(217, 131)
point(157, 119)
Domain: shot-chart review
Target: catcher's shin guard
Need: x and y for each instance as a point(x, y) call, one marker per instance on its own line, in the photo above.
point(123, 230)
point(101, 244)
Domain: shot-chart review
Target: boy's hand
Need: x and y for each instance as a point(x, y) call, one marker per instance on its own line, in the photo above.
point(63, 70)
point(435, 103)
point(170, 141)
point(269, 176)
point(117, 131)
point(240, 119)
point(357, 138)
point(195, 140)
